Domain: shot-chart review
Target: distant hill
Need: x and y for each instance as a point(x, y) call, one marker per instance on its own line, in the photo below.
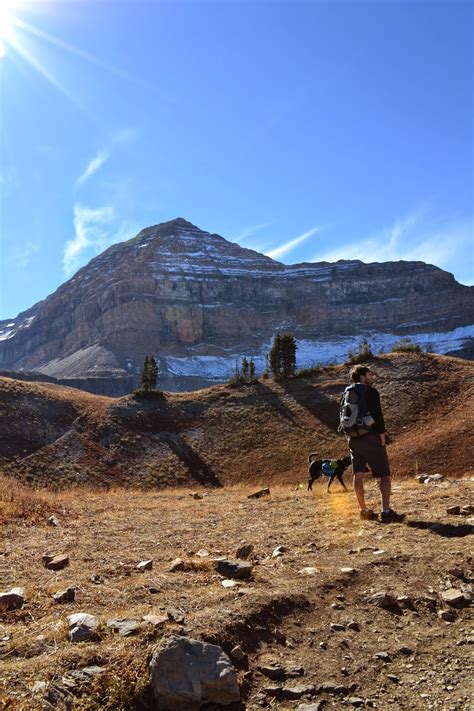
point(199, 302)
point(57, 436)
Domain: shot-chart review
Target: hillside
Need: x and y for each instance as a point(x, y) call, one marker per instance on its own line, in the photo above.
point(58, 437)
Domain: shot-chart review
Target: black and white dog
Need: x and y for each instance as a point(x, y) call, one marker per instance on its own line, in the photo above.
point(316, 469)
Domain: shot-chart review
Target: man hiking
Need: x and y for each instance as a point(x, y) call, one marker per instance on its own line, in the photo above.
point(365, 430)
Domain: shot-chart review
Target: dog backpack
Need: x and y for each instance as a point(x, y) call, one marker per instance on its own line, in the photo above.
point(355, 419)
point(329, 466)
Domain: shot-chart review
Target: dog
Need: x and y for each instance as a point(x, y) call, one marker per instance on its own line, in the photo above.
point(315, 470)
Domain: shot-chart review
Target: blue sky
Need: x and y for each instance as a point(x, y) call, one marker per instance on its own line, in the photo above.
point(305, 130)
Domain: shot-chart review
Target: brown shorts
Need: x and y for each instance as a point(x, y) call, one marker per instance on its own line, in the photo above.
point(368, 452)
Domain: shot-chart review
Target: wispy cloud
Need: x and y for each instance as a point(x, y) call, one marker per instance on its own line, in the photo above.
point(292, 243)
point(92, 167)
point(95, 230)
point(119, 138)
point(249, 231)
point(446, 243)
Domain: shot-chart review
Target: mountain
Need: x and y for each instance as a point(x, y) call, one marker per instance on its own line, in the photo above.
point(199, 302)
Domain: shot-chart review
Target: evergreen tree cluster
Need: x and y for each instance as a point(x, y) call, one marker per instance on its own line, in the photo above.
point(149, 374)
point(282, 356)
point(245, 374)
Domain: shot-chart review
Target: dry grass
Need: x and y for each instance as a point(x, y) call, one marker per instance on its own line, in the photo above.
point(108, 533)
point(18, 501)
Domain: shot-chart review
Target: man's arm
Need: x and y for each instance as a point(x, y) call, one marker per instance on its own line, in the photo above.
point(375, 409)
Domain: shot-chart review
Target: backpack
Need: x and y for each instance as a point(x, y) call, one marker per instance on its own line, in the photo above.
point(328, 466)
point(355, 419)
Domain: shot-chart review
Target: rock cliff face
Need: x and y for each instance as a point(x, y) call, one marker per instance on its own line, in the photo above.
point(197, 302)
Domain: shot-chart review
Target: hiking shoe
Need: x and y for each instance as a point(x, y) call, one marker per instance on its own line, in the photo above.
point(368, 515)
point(391, 516)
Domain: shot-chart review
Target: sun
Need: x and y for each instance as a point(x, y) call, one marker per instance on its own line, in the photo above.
point(6, 23)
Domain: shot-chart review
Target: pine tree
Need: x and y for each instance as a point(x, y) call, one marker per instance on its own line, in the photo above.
point(274, 357)
point(145, 374)
point(288, 355)
point(245, 369)
point(252, 371)
point(153, 371)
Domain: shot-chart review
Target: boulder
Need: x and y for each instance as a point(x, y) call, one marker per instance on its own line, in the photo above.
point(453, 510)
point(12, 600)
point(82, 627)
point(187, 673)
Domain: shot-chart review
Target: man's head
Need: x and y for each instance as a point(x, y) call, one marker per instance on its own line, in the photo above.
point(362, 374)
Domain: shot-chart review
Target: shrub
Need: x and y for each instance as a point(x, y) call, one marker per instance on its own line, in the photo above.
point(406, 346)
point(362, 354)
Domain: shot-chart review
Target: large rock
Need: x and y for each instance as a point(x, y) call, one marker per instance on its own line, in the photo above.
point(187, 674)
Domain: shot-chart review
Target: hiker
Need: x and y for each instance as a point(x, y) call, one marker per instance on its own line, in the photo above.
point(362, 422)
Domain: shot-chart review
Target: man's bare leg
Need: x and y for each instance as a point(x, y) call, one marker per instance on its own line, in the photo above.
point(385, 486)
point(359, 489)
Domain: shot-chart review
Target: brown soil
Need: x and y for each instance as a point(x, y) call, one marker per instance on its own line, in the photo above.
point(281, 615)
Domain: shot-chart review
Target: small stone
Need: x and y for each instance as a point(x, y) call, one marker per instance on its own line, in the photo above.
point(12, 600)
point(244, 551)
point(238, 654)
point(53, 521)
point(67, 595)
point(47, 558)
point(296, 692)
point(446, 615)
point(384, 656)
point(234, 569)
point(311, 707)
point(273, 691)
point(124, 626)
point(323, 645)
point(338, 606)
point(145, 565)
point(355, 701)
point(453, 597)
point(202, 553)
point(336, 627)
point(58, 562)
point(407, 651)
point(456, 573)
point(405, 600)
point(96, 579)
point(177, 565)
point(82, 627)
point(353, 625)
point(348, 571)
point(258, 494)
point(382, 599)
point(92, 670)
point(467, 510)
point(176, 615)
point(275, 672)
point(156, 620)
point(196, 496)
point(328, 688)
point(39, 687)
point(393, 678)
point(227, 583)
point(453, 510)
point(278, 551)
point(308, 570)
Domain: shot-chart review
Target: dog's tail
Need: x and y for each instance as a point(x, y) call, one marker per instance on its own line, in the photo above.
point(312, 456)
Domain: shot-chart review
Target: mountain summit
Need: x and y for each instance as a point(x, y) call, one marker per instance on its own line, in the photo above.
point(198, 302)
